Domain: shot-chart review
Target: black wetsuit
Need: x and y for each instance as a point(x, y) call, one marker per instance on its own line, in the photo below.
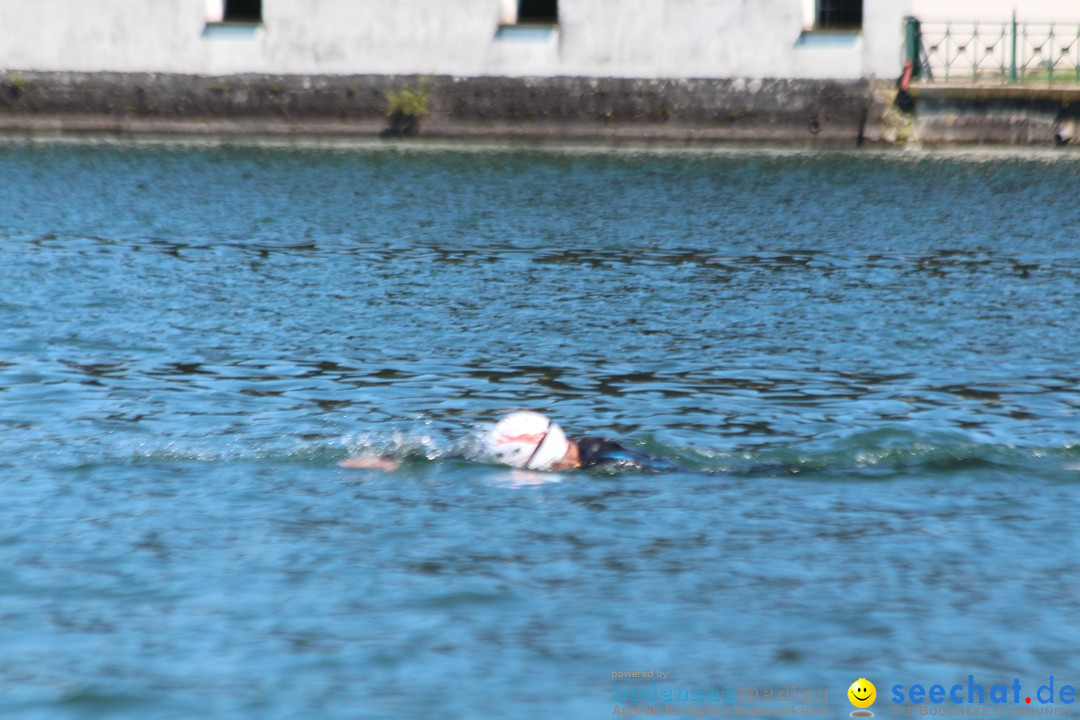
point(595, 452)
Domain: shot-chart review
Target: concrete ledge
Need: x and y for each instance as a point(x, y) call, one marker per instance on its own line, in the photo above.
point(808, 112)
point(799, 111)
point(998, 114)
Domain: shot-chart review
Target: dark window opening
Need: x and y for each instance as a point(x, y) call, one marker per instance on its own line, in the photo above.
point(243, 11)
point(538, 11)
point(839, 15)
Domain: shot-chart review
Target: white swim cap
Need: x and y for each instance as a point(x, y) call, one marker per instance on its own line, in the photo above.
point(526, 439)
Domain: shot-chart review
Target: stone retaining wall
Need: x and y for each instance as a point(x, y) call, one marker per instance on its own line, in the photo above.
point(803, 111)
point(560, 108)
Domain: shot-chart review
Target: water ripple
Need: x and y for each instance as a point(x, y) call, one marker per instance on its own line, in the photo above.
point(864, 361)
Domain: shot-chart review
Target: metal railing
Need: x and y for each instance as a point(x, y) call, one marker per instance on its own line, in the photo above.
point(988, 52)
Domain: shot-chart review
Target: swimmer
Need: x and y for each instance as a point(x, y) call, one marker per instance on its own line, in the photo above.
point(531, 441)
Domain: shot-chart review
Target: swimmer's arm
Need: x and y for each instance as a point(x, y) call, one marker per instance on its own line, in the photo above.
point(371, 462)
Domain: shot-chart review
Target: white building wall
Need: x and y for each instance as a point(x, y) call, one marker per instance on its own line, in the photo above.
point(604, 38)
point(997, 10)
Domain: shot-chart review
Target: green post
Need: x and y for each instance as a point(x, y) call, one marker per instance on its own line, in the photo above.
point(1050, 57)
point(1012, 60)
point(914, 40)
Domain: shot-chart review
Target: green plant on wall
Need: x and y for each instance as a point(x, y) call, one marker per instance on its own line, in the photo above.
point(18, 86)
point(411, 102)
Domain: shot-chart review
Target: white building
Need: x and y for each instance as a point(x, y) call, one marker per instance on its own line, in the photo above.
point(803, 39)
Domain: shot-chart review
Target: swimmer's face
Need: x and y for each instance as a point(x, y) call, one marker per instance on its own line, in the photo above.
point(862, 693)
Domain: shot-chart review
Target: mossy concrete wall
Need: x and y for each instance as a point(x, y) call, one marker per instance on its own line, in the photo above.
point(802, 111)
point(1004, 115)
point(560, 108)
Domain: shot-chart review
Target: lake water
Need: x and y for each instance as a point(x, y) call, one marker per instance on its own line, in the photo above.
point(868, 360)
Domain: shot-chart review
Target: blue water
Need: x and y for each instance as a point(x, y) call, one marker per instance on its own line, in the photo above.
point(868, 360)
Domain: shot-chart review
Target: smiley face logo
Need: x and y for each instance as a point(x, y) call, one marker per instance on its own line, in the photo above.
point(862, 694)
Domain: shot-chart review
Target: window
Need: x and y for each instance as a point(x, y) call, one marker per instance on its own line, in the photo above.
point(838, 15)
point(246, 11)
point(529, 21)
point(233, 19)
point(538, 11)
